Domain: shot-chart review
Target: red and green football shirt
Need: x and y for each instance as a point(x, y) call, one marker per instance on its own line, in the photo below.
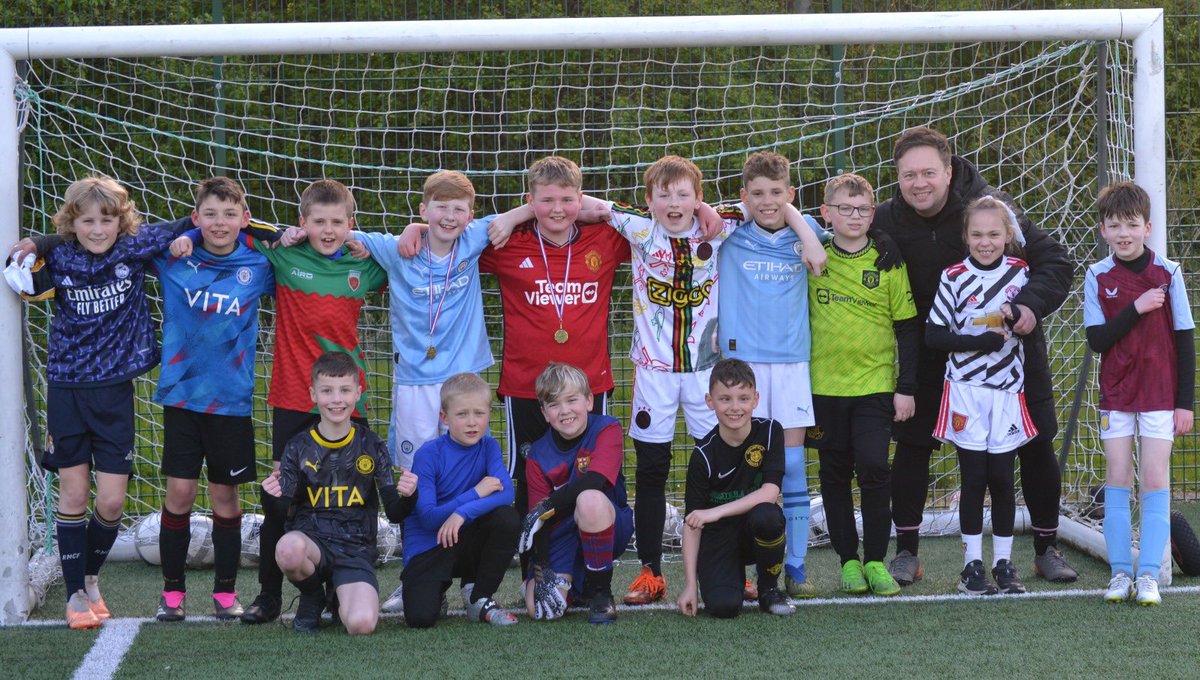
point(318, 300)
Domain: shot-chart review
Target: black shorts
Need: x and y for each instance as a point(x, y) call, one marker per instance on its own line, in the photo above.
point(343, 563)
point(226, 442)
point(286, 424)
point(842, 422)
point(90, 426)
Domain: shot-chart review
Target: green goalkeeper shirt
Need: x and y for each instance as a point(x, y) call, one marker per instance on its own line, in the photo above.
point(852, 307)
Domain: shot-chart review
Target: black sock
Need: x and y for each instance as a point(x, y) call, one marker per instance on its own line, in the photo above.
point(270, 578)
point(907, 539)
point(72, 546)
point(1044, 539)
point(597, 581)
point(174, 535)
point(101, 534)
point(227, 551)
point(310, 585)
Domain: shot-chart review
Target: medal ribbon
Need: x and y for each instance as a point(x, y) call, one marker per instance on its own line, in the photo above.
point(560, 301)
point(434, 316)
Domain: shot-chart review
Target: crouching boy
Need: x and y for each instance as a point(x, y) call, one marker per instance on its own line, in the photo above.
point(333, 477)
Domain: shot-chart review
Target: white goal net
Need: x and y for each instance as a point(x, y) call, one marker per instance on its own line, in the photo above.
point(1033, 116)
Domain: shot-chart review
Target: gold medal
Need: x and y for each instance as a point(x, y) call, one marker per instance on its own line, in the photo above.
point(560, 336)
point(431, 352)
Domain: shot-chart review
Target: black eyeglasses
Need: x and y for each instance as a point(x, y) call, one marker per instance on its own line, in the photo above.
point(846, 210)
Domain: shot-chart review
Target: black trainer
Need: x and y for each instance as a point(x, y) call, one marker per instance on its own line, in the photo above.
point(264, 609)
point(974, 580)
point(308, 612)
point(602, 608)
point(1006, 578)
point(772, 601)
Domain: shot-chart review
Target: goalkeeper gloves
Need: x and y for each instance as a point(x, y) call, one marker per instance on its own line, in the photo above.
point(534, 520)
point(19, 274)
point(548, 600)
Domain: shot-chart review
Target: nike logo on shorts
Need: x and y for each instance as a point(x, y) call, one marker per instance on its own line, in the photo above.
point(235, 473)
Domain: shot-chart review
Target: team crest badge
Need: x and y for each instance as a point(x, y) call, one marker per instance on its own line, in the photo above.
point(774, 569)
point(406, 446)
point(462, 266)
point(870, 279)
point(593, 260)
point(364, 464)
point(354, 278)
point(958, 421)
point(754, 455)
point(582, 463)
point(815, 433)
point(244, 275)
point(1104, 421)
point(1011, 292)
point(121, 270)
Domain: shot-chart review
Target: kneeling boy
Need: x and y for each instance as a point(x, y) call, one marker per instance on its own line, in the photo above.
point(464, 523)
point(335, 474)
point(575, 484)
point(731, 518)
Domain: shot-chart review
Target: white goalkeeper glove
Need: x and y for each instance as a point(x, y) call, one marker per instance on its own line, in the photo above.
point(549, 603)
point(535, 519)
point(19, 274)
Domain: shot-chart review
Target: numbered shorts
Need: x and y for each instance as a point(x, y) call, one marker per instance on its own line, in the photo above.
point(90, 426)
point(983, 419)
point(784, 393)
point(416, 419)
point(226, 442)
point(657, 398)
point(1150, 424)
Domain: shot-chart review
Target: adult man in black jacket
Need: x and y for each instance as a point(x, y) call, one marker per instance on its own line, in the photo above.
point(925, 219)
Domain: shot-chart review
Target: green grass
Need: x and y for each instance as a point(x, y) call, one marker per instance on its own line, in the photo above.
point(993, 637)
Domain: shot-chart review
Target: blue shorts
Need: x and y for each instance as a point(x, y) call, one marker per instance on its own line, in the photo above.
point(90, 426)
point(566, 551)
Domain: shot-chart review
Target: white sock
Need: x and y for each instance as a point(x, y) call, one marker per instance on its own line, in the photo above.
point(1002, 548)
point(972, 548)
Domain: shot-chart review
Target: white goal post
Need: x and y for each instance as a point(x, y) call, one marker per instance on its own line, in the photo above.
point(1143, 27)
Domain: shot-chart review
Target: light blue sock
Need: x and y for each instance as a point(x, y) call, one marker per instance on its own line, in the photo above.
point(1118, 529)
point(795, 512)
point(1156, 531)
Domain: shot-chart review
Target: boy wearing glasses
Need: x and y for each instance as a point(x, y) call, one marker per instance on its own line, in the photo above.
point(859, 315)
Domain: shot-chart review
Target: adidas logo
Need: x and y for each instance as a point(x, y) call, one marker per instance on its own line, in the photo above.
point(1013, 431)
point(525, 264)
point(67, 281)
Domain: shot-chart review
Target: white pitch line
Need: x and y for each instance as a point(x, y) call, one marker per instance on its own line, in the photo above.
point(107, 652)
point(670, 606)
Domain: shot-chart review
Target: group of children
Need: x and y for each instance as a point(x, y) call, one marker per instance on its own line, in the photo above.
point(555, 257)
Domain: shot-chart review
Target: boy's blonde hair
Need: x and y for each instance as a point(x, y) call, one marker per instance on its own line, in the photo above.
point(986, 203)
point(99, 190)
point(463, 383)
point(767, 164)
point(1123, 200)
point(559, 379)
point(448, 185)
point(224, 189)
point(670, 169)
point(327, 192)
point(554, 170)
point(855, 185)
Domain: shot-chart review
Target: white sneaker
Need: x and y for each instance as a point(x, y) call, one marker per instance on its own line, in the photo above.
point(1120, 588)
point(395, 603)
point(1147, 591)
